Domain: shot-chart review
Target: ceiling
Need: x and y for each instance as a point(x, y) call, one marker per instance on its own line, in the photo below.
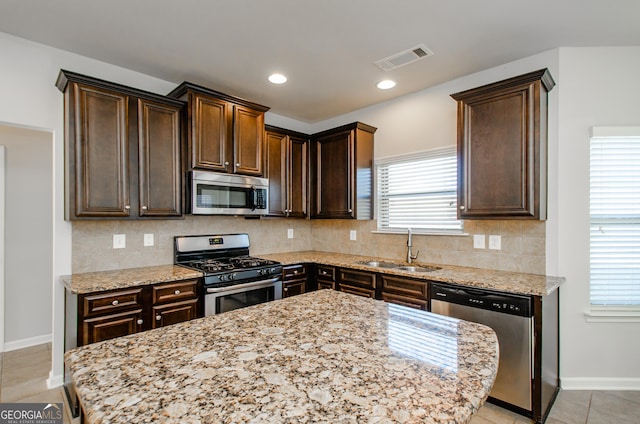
point(327, 48)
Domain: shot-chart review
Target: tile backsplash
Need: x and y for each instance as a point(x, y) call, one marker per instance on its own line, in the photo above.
point(522, 242)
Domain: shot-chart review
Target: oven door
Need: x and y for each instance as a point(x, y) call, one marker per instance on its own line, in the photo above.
point(224, 299)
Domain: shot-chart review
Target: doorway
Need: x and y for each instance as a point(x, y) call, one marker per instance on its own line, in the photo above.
point(26, 310)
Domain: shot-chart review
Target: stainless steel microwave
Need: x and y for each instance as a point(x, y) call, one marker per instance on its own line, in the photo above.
point(213, 193)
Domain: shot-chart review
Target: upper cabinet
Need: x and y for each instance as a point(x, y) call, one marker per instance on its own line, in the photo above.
point(341, 174)
point(502, 148)
point(122, 150)
point(286, 156)
point(224, 133)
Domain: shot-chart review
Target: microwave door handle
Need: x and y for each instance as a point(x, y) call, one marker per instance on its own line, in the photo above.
point(254, 200)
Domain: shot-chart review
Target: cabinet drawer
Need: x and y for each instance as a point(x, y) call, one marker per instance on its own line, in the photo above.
point(411, 302)
point(112, 302)
point(360, 291)
point(174, 313)
point(325, 273)
point(362, 279)
point(292, 288)
point(106, 327)
point(404, 286)
point(173, 292)
point(326, 285)
point(294, 272)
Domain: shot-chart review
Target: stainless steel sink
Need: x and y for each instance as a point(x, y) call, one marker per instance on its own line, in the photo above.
point(417, 268)
point(391, 265)
point(379, 264)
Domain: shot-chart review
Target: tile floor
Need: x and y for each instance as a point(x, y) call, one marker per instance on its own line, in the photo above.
point(24, 373)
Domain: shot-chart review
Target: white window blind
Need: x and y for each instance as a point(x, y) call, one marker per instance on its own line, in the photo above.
point(615, 217)
point(418, 191)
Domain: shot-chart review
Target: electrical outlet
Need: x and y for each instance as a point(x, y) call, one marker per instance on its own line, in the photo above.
point(495, 242)
point(290, 233)
point(352, 235)
point(148, 239)
point(119, 241)
point(478, 241)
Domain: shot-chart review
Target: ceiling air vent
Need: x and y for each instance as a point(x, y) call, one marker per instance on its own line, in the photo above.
point(403, 58)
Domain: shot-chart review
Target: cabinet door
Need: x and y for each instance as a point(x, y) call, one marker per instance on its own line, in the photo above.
point(405, 301)
point(276, 172)
point(160, 178)
point(334, 176)
point(100, 153)
point(297, 177)
point(293, 288)
point(105, 327)
point(173, 313)
point(210, 133)
point(248, 128)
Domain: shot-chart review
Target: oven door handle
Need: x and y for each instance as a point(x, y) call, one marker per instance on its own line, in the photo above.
point(243, 286)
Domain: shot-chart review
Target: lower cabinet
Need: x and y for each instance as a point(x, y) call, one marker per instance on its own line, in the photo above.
point(294, 280)
point(404, 291)
point(325, 277)
point(361, 283)
point(115, 313)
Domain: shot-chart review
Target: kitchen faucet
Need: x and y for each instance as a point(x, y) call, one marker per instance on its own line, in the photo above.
point(410, 257)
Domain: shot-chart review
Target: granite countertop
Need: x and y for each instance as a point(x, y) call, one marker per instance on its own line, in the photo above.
point(89, 282)
point(510, 282)
point(323, 356)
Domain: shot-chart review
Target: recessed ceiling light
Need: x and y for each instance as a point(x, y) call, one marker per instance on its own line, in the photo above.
point(277, 78)
point(386, 84)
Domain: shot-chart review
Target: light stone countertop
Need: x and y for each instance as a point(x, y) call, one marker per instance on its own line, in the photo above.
point(323, 356)
point(503, 281)
point(89, 282)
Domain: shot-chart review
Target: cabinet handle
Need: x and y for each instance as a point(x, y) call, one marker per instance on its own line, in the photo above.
point(295, 271)
point(286, 289)
point(350, 210)
point(115, 303)
point(238, 164)
point(139, 322)
point(176, 292)
point(324, 272)
point(127, 207)
point(158, 317)
point(144, 208)
point(462, 207)
point(226, 163)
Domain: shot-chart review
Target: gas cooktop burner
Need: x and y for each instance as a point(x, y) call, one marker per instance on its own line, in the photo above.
point(229, 264)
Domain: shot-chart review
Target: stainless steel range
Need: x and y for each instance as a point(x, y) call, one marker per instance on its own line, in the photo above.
point(232, 278)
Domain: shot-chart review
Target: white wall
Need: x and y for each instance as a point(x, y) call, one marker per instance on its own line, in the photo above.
point(28, 236)
point(600, 87)
point(30, 99)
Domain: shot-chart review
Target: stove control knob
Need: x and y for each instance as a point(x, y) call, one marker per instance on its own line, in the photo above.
point(233, 276)
point(223, 277)
point(273, 271)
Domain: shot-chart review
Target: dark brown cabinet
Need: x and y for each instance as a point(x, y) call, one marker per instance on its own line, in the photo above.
point(224, 133)
point(404, 291)
point(361, 283)
point(286, 168)
point(122, 150)
point(325, 277)
point(106, 315)
point(341, 174)
point(502, 140)
point(174, 302)
point(115, 313)
point(294, 280)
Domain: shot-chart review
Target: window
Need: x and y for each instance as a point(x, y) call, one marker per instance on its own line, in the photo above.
point(615, 217)
point(418, 191)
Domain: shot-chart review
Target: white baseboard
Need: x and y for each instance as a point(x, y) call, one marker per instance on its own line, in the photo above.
point(599, 383)
point(54, 381)
point(32, 341)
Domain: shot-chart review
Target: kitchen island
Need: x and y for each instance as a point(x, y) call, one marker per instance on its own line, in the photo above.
point(323, 356)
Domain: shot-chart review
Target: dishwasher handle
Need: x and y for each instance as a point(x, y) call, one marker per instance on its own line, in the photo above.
point(511, 304)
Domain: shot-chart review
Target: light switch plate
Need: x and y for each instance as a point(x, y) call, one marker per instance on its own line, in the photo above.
point(495, 242)
point(119, 241)
point(478, 241)
point(290, 233)
point(352, 235)
point(148, 239)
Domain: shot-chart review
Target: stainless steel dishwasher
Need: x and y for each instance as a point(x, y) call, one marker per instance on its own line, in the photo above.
point(511, 317)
